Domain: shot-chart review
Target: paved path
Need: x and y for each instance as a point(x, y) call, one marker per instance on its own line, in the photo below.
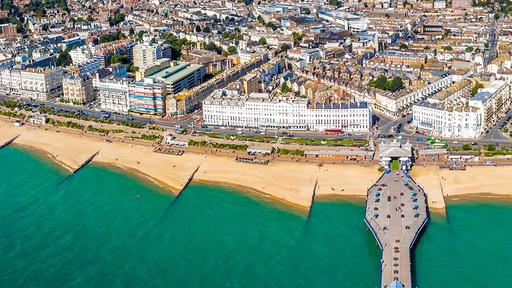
point(396, 211)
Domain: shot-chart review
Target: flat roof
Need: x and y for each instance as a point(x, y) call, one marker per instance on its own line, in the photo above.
point(486, 93)
point(176, 73)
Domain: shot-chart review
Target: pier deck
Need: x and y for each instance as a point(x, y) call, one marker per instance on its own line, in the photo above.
point(396, 211)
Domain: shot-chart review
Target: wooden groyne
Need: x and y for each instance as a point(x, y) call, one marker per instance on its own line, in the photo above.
point(396, 213)
point(9, 142)
point(312, 199)
point(87, 161)
point(190, 178)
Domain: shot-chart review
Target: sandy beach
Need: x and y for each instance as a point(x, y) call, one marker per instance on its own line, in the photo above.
point(480, 181)
point(290, 182)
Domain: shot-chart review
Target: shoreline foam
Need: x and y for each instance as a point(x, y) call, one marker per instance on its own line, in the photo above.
point(290, 183)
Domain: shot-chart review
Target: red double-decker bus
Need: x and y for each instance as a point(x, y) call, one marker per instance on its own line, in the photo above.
point(333, 131)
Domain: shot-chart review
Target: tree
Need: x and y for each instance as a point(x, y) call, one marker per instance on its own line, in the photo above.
point(379, 83)
point(285, 89)
point(132, 32)
point(388, 85)
point(297, 38)
point(118, 18)
point(141, 34)
point(396, 84)
point(261, 20)
point(207, 29)
point(466, 147)
point(198, 28)
point(403, 46)
point(176, 44)
point(121, 58)
point(64, 59)
point(305, 10)
point(334, 2)
point(231, 50)
point(285, 47)
point(490, 147)
point(475, 88)
point(262, 41)
point(470, 49)
point(447, 48)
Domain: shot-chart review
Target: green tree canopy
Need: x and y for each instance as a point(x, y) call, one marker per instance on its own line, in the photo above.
point(285, 89)
point(231, 50)
point(383, 83)
point(64, 59)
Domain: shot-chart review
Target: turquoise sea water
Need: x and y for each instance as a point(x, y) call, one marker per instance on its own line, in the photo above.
point(101, 228)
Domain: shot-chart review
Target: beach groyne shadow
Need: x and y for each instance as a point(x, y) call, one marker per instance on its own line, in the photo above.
point(311, 206)
point(180, 193)
point(83, 165)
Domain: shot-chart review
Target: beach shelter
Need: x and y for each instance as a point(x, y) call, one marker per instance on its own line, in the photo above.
point(377, 193)
point(417, 214)
point(375, 214)
point(415, 206)
point(414, 193)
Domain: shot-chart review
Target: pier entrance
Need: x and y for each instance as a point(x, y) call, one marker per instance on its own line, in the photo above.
point(396, 212)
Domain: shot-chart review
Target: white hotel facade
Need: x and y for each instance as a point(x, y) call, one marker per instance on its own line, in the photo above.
point(260, 110)
point(112, 93)
point(464, 117)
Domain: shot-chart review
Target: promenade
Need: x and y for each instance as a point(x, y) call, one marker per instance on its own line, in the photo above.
point(396, 211)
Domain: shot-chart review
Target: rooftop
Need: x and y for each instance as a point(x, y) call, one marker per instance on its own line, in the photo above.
point(176, 73)
point(486, 93)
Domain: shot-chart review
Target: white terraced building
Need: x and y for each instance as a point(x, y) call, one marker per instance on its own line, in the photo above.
point(396, 103)
point(112, 93)
point(459, 116)
point(260, 110)
point(493, 101)
point(449, 122)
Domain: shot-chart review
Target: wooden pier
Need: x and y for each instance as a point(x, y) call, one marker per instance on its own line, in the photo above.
point(396, 212)
point(9, 142)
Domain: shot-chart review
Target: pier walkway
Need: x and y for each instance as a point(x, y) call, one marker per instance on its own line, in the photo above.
point(396, 211)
